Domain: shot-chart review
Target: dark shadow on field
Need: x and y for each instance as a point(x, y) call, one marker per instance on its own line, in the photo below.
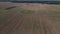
point(10, 7)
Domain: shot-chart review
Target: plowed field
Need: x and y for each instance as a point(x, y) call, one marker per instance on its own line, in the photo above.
point(38, 22)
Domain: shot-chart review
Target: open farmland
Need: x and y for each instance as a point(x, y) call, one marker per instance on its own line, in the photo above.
point(28, 18)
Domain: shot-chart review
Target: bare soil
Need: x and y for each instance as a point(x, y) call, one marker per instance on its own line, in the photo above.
point(35, 23)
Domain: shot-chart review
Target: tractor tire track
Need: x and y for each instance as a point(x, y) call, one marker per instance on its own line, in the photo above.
point(10, 19)
point(8, 22)
point(10, 25)
point(18, 26)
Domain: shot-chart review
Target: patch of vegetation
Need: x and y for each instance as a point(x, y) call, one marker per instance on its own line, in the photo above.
point(24, 12)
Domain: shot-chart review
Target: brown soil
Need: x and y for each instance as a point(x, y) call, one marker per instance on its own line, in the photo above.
point(30, 6)
point(36, 23)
